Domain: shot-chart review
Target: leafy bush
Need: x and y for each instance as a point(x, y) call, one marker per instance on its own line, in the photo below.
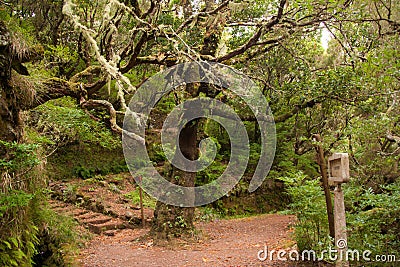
point(134, 196)
point(207, 214)
point(18, 250)
point(156, 153)
point(372, 218)
point(211, 173)
point(84, 173)
point(18, 234)
point(25, 226)
point(166, 104)
point(59, 241)
point(62, 123)
point(89, 172)
point(13, 200)
point(19, 157)
point(308, 203)
point(47, 239)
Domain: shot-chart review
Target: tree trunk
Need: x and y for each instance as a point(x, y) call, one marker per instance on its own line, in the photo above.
point(10, 122)
point(11, 130)
point(324, 178)
point(172, 221)
point(19, 93)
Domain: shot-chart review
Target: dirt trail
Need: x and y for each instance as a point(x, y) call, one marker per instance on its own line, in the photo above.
point(233, 242)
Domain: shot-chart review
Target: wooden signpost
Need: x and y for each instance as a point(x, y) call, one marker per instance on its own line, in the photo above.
point(141, 201)
point(338, 167)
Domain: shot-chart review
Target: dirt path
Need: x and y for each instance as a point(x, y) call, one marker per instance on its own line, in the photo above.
point(229, 243)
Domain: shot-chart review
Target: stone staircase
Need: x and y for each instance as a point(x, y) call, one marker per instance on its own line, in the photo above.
point(95, 222)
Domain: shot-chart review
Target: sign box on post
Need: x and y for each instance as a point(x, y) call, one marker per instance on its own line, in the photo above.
point(338, 166)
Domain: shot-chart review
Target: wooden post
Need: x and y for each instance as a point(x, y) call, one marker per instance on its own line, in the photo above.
point(325, 184)
point(339, 172)
point(340, 227)
point(141, 202)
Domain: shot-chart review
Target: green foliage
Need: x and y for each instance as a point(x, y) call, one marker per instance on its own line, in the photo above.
point(14, 200)
point(211, 173)
point(24, 223)
point(59, 239)
point(19, 156)
point(134, 196)
point(61, 58)
point(207, 214)
point(22, 30)
point(90, 172)
point(84, 173)
point(46, 239)
point(156, 153)
point(372, 218)
point(61, 122)
point(19, 250)
point(308, 204)
point(18, 234)
point(65, 131)
point(180, 222)
point(254, 155)
point(92, 161)
point(219, 134)
point(166, 104)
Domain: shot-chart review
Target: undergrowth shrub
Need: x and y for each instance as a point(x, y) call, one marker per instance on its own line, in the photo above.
point(59, 242)
point(308, 203)
point(24, 223)
point(134, 196)
point(372, 218)
point(59, 122)
point(18, 234)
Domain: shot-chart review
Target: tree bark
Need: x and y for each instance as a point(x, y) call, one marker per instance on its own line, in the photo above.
point(324, 178)
point(19, 93)
point(169, 220)
point(172, 221)
point(10, 122)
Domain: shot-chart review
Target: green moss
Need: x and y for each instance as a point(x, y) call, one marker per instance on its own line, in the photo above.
point(135, 198)
point(84, 161)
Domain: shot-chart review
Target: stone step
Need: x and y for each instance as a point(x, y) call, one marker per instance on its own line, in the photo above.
point(111, 232)
point(79, 212)
point(88, 215)
point(64, 209)
point(96, 220)
point(113, 224)
point(55, 205)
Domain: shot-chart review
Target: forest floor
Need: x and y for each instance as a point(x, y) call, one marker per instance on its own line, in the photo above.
point(106, 207)
point(234, 242)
